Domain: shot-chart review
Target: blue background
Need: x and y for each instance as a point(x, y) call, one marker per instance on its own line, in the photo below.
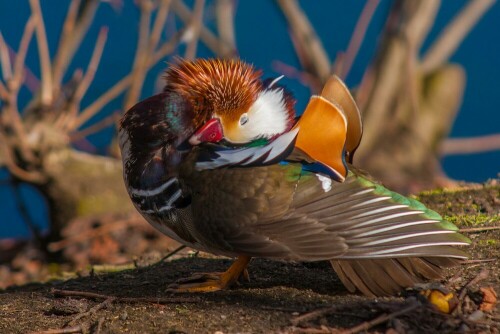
point(262, 39)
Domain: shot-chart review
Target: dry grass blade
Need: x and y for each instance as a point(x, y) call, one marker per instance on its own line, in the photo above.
point(43, 54)
point(451, 37)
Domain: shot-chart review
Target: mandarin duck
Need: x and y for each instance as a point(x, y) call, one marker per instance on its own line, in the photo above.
point(219, 162)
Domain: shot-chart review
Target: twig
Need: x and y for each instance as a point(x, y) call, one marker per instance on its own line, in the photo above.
point(93, 64)
point(100, 322)
point(147, 44)
point(480, 229)
point(478, 144)
point(379, 320)
point(357, 37)
point(87, 79)
point(451, 37)
point(92, 311)
point(313, 315)
point(65, 330)
point(4, 94)
point(43, 53)
point(304, 77)
point(483, 274)
point(194, 29)
point(479, 261)
point(206, 36)
point(10, 162)
point(92, 295)
point(104, 99)
point(141, 54)
point(76, 24)
point(18, 76)
point(5, 60)
point(224, 11)
point(161, 18)
point(121, 85)
point(172, 253)
point(96, 127)
point(307, 39)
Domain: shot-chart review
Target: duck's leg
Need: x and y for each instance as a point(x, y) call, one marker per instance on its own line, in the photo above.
point(209, 282)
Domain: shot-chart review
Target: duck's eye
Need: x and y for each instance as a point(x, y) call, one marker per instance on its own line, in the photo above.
point(243, 119)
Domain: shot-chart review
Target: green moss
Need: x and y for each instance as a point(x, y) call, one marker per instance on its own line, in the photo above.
point(488, 242)
point(473, 220)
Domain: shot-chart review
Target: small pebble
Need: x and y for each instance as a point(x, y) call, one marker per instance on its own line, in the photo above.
point(476, 315)
point(124, 316)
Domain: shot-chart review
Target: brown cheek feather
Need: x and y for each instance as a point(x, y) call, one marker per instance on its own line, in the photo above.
point(322, 133)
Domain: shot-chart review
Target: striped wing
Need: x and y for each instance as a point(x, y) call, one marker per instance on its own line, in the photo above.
point(215, 156)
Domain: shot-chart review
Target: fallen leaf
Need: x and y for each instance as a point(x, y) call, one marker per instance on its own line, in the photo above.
point(489, 299)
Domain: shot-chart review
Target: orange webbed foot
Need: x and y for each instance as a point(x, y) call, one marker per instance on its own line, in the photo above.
point(210, 282)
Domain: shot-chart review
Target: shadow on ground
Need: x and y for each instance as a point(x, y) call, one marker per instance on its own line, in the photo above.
point(276, 294)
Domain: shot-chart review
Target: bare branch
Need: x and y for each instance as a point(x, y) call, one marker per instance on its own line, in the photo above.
point(9, 161)
point(18, 77)
point(206, 36)
point(43, 54)
point(166, 49)
point(93, 64)
point(451, 37)
point(96, 127)
point(4, 94)
point(141, 54)
point(161, 18)
point(357, 37)
point(67, 29)
point(5, 60)
point(121, 85)
point(306, 38)
point(80, 16)
point(147, 49)
point(453, 146)
point(89, 75)
point(104, 99)
point(194, 29)
point(224, 11)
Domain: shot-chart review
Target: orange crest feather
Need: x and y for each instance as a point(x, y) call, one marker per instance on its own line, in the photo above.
point(221, 86)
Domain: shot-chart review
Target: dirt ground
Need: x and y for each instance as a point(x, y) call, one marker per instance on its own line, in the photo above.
point(280, 297)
